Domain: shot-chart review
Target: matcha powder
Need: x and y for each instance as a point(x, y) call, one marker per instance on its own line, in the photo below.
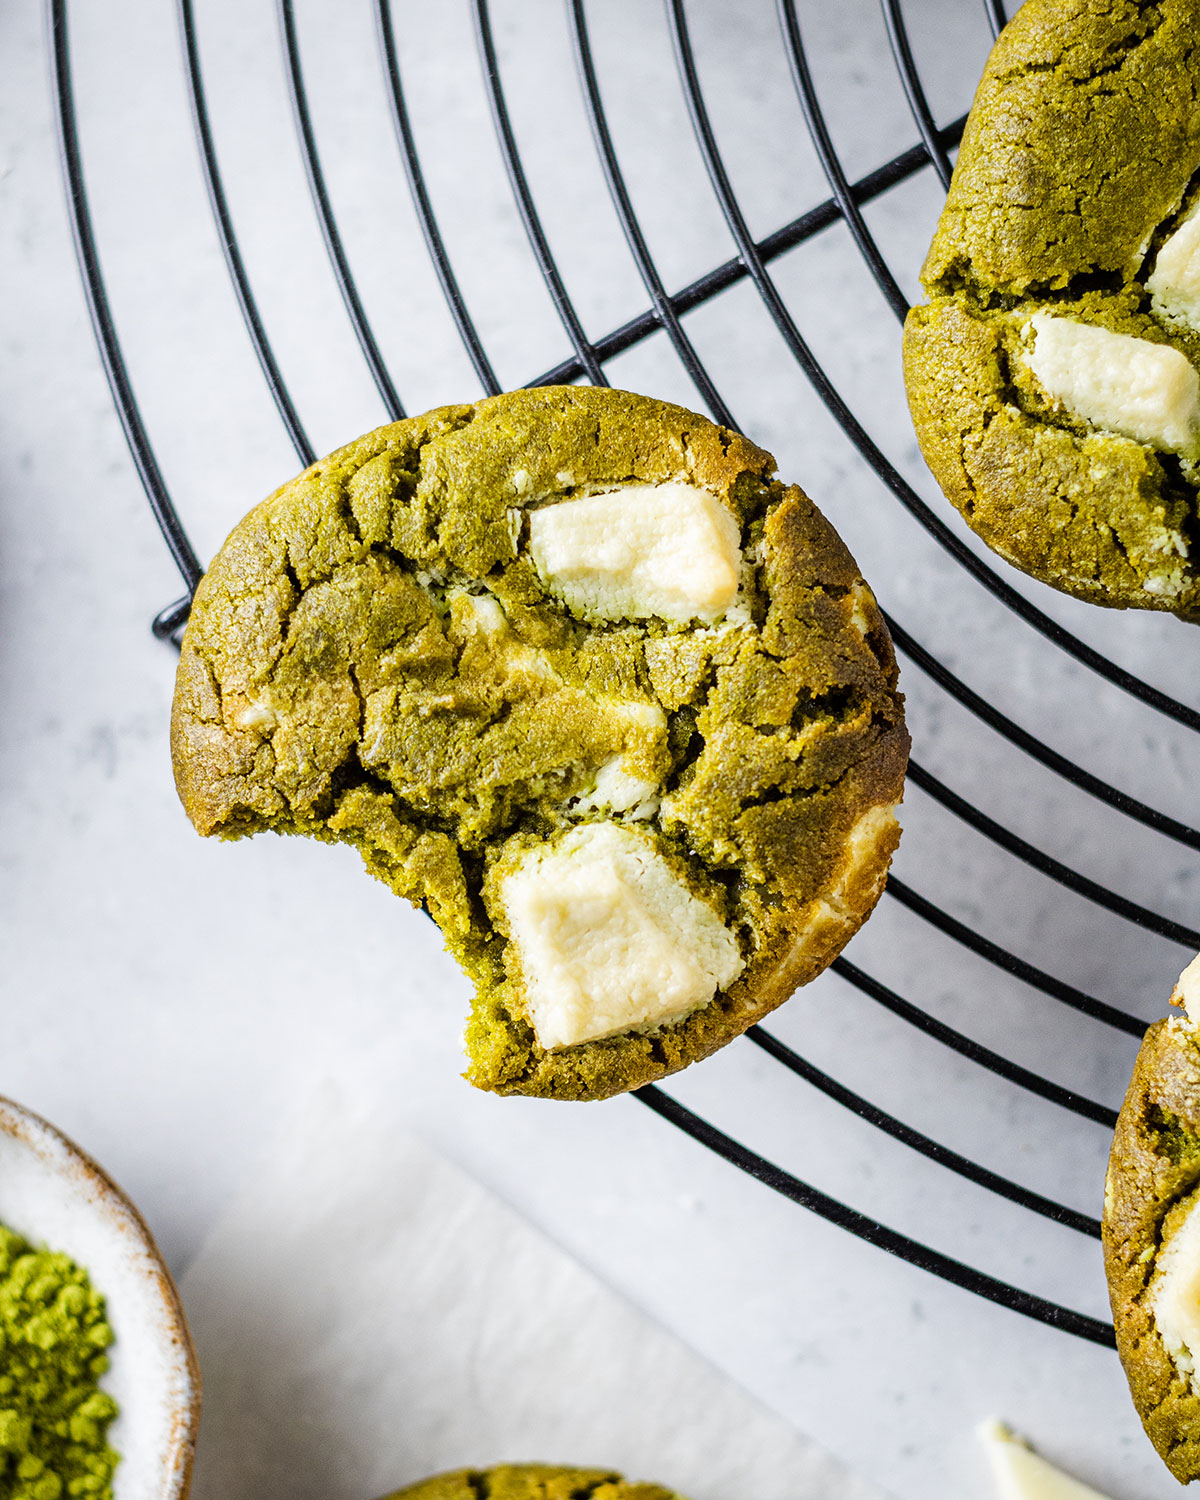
point(53, 1414)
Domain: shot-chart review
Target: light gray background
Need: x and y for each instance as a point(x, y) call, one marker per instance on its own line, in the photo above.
point(162, 997)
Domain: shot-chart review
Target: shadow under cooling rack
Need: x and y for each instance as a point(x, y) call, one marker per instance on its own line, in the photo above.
point(665, 315)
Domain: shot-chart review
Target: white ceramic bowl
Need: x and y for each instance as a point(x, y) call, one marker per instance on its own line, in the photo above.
point(53, 1194)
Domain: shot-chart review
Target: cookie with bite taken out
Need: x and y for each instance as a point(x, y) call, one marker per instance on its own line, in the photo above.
point(572, 670)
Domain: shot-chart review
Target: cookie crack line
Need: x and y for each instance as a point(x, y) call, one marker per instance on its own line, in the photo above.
point(496, 714)
point(1118, 51)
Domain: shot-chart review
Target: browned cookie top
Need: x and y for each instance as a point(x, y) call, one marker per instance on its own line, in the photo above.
point(571, 669)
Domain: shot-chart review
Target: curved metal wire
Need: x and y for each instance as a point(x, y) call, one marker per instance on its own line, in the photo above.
point(1045, 864)
point(329, 229)
point(1036, 978)
point(234, 264)
point(914, 90)
point(100, 314)
point(168, 623)
point(664, 310)
point(420, 196)
point(584, 350)
point(872, 1230)
point(732, 271)
point(996, 19)
point(1004, 1187)
point(830, 164)
point(664, 314)
point(1077, 1104)
point(1182, 833)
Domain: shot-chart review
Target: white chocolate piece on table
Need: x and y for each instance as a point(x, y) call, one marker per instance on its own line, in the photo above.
point(1022, 1474)
point(1130, 386)
point(665, 550)
point(609, 938)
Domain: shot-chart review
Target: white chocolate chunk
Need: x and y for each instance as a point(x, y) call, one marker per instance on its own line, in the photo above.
point(1174, 284)
point(257, 714)
point(619, 789)
point(1168, 584)
point(620, 785)
point(487, 612)
point(641, 718)
point(484, 615)
point(1187, 991)
point(1022, 1474)
point(1175, 1293)
point(863, 599)
point(609, 939)
point(1130, 386)
point(670, 550)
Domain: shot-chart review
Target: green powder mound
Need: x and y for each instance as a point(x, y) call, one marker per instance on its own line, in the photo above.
point(53, 1414)
point(373, 658)
point(532, 1482)
point(1080, 158)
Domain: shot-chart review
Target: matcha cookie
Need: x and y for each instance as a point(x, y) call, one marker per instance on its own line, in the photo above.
point(1053, 375)
point(532, 1482)
point(1152, 1232)
point(571, 670)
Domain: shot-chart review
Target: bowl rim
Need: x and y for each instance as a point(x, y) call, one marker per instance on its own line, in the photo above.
point(34, 1130)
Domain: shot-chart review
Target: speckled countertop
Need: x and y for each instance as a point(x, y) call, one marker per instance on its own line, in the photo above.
point(163, 996)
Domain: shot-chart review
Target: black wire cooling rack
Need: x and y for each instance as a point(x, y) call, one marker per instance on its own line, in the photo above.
point(665, 314)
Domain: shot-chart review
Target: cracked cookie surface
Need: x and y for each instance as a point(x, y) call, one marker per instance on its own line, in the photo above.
point(532, 1482)
point(1071, 217)
point(1151, 1233)
point(638, 833)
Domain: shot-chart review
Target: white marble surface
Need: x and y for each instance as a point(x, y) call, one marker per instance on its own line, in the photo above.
point(367, 1315)
point(163, 997)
